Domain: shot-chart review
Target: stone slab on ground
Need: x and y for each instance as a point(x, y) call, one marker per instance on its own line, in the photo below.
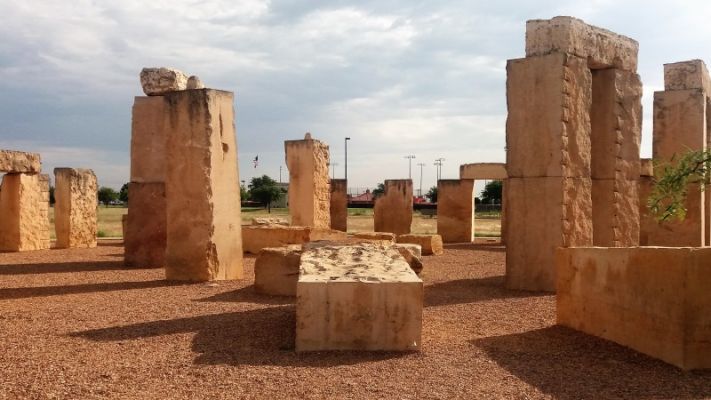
point(276, 270)
point(360, 297)
point(383, 237)
point(19, 162)
point(24, 203)
point(431, 244)
point(257, 237)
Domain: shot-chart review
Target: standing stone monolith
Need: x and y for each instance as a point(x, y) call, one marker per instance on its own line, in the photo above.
point(339, 204)
point(75, 195)
point(455, 210)
point(24, 205)
point(393, 209)
point(204, 238)
point(309, 192)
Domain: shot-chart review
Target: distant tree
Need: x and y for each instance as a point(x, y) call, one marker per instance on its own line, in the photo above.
point(123, 193)
point(379, 191)
point(265, 191)
point(107, 195)
point(243, 192)
point(492, 193)
point(432, 194)
point(51, 195)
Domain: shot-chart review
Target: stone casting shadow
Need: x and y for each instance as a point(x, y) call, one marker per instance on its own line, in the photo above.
point(54, 268)
point(249, 295)
point(464, 291)
point(562, 362)
point(255, 337)
point(45, 291)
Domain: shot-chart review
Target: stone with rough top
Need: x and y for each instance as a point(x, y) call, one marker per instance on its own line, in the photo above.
point(159, 81)
point(431, 244)
point(258, 237)
point(309, 189)
point(488, 171)
point(270, 221)
point(385, 237)
point(24, 205)
point(685, 75)
point(19, 162)
point(75, 220)
point(276, 270)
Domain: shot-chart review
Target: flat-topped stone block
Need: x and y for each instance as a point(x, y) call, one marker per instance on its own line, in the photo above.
point(654, 300)
point(276, 270)
point(148, 139)
point(602, 48)
point(685, 75)
point(19, 162)
point(24, 203)
point(431, 244)
point(75, 219)
point(393, 210)
point(478, 171)
point(412, 254)
point(258, 237)
point(309, 183)
point(360, 297)
point(270, 221)
point(385, 237)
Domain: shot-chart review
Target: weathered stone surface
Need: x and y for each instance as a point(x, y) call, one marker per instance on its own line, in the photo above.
point(204, 237)
point(276, 270)
point(195, 83)
point(647, 222)
point(75, 195)
point(455, 210)
point(385, 237)
point(646, 167)
point(270, 221)
point(361, 297)
point(327, 234)
point(309, 192)
point(393, 210)
point(19, 162)
point(258, 237)
point(601, 48)
point(412, 254)
point(685, 75)
point(146, 224)
point(24, 203)
point(615, 212)
point(339, 204)
point(489, 171)
point(654, 300)
point(148, 138)
point(548, 124)
point(160, 81)
point(543, 214)
point(431, 244)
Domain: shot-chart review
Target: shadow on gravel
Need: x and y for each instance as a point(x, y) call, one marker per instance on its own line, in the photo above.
point(249, 295)
point(44, 291)
point(55, 268)
point(568, 364)
point(256, 337)
point(463, 291)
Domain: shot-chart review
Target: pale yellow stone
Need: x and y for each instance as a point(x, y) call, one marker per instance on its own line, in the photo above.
point(480, 171)
point(309, 191)
point(24, 203)
point(258, 237)
point(19, 162)
point(276, 270)
point(431, 244)
point(75, 221)
point(269, 221)
point(393, 210)
point(160, 81)
point(455, 210)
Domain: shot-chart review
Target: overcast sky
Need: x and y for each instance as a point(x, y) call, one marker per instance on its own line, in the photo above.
point(398, 76)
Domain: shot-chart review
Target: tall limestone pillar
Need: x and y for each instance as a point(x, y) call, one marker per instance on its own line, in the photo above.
point(455, 210)
point(75, 194)
point(309, 189)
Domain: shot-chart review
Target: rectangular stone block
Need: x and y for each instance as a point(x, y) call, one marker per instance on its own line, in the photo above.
point(455, 210)
point(393, 209)
point(339, 204)
point(258, 237)
point(309, 191)
point(653, 300)
point(489, 171)
point(615, 212)
point(385, 237)
point(430, 244)
point(685, 75)
point(548, 124)
point(276, 270)
point(145, 237)
point(148, 139)
point(75, 194)
point(361, 297)
point(19, 162)
point(646, 167)
point(204, 235)
point(600, 47)
point(543, 214)
point(24, 202)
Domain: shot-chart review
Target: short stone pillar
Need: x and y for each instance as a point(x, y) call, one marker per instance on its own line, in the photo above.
point(309, 192)
point(455, 210)
point(393, 209)
point(24, 205)
point(339, 204)
point(204, 238)
point(75, 194)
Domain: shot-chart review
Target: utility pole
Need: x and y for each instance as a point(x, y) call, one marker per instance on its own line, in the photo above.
point(438, 163)
point(421, 166)
point(409, 168)
point(346, 142)
point(334, 165)
point(280, 174)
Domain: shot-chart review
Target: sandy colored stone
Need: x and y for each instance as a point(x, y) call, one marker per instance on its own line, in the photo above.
point(148, 138)
point(654, 300)
point(685, 75)
point(276, 270)
point(385, 237)
point(431, 244)
point(615, 212)
point(194, 82)
point(204, 236)
point(339, 204)
point(146, 224)
point(19, 162)
point(600, 47)
point(488, 171)
point(24, 204)
point(647, 222)
point(548, 124)
point(327, 234)
point(543, 214)
point(270, 221)
point(646, 167)
point(412, 254)
point(362, 297)
point(75, 220)
point(393, 210)
point(309, 191)
point(257, 237)
point(455, 210)
point(160, 81)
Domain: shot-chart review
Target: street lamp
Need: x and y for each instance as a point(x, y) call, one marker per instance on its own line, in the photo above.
point(421, 166)
point(438, 163)
point(409, 168)
point(346, 142)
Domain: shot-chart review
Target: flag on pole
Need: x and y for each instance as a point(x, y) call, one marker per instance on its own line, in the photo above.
point(256, 161)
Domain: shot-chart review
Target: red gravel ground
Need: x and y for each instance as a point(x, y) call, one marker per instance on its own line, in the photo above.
point(74, 324)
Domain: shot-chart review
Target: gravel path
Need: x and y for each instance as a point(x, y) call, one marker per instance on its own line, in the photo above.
point(75, 325)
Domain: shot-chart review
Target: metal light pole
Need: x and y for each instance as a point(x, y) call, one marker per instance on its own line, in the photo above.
point(346, 142)
point(409, 168)
point(334, 165)
point(438, 163)
point(280, 174)
point(421, 166)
